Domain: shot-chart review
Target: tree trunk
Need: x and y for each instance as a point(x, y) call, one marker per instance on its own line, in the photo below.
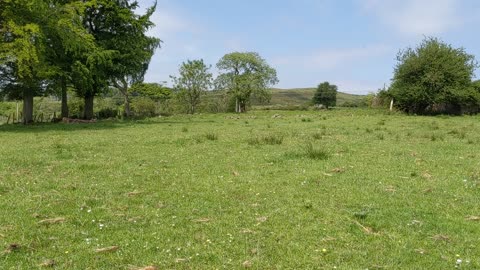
point(27, 106)
point(237, 107)
point(64, 97)
point(88, 108)
point(127, 111)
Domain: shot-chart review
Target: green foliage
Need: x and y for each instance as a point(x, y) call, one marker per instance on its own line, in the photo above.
point(434, 77)
point(326, 95)
point(244, 75)
point(154, 91)
point(194, 80)
point(107, 113)
point(75, 106)
point(143, 107)
point(7, 108)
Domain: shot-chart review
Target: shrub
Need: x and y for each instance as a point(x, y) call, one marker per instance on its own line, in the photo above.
point(107, 113)
point(75, 107)
point(143, 107)
point(434, 78)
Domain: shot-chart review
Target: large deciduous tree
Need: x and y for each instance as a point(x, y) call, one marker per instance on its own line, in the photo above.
point(434, 77)
point(39, 40)
point(193, 81)
point(326, 95)
point(135, 50)
point(22, 65)
point(244, 75)
point(123, 49)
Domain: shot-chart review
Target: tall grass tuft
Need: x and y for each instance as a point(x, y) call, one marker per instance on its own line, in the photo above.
point(273, 139)
point(211, 136)
point(315, 153)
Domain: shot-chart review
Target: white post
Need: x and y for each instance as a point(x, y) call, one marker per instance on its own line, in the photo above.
point(391, 105)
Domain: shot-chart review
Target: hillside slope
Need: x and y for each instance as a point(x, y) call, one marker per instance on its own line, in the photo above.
point(301, 96)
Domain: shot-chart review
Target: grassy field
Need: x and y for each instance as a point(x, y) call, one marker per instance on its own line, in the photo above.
point(340, 189)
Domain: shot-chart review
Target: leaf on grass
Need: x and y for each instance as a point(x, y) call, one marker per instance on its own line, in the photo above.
point(441, 237)
point(366, 229)
point(52, 220)
point(473, 218)
point(150, 267)
point(328, 174)
point(247, 264)
point(420, 251)
point(106, 249)
point(202, 220)
point(428, 190)
point(390, 189)
point(180, 260)
point(328, 239)
point(47, 263)
point(338, 170)
point(262, 219)
point(426, 175)
point(133, 193)
point(235, 173)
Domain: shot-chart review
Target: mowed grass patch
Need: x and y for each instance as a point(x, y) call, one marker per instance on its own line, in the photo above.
point(183, 192)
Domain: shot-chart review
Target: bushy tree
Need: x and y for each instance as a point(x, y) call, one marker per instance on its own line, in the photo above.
point(326, 95)
point(122, 53)
point(434, 77)
point(243, 75)
point(154, 91)
point(91, 44)
point(194, 80)
point(134, 49)
point(22, 60)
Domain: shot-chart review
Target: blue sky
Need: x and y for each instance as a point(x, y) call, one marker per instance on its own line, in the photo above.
point(350, 43)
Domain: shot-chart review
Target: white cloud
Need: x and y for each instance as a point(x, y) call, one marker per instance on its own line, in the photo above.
point(416, 17)
point(334, 58)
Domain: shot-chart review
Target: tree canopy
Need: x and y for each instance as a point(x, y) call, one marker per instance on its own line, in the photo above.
point(154, 91)
point(244, 75)
point(194, 80)
point(434, 77)
point(91, 44)
point(326, 95)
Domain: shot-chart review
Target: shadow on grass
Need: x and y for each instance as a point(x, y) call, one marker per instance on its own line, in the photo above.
point(100, 125)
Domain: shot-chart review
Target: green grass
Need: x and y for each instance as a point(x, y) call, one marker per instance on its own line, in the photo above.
point(351, 189)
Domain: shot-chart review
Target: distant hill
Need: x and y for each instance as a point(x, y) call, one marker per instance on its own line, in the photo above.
point(302, 96)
